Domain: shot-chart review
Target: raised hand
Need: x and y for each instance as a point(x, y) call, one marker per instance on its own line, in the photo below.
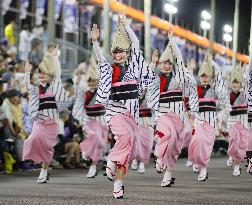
point(154, 58)
point(28, 66)
point(170, 33)
point(56, 51)
point(95, 33)
point(123, 19)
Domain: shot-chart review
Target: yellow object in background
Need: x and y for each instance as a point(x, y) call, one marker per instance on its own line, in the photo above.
point(9, 161)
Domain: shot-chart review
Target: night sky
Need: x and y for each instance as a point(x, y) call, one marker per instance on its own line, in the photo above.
point(189, 11)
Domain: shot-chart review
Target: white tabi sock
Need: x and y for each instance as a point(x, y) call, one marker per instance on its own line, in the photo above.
point(43, 173)
point(117, 184)
point(167, 175)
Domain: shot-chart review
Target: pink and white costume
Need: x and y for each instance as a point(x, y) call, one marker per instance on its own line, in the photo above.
point(45, 103)
point(92, 116)
point(238, 126)
point(118, 89)
point(201, 145)
point(170, 116)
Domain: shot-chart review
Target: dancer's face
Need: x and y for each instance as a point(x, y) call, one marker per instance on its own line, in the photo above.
point(205, 80)
point(166, 67)
point(92, 84)
point(236, 86)
point(119, 56)
point(44, 78)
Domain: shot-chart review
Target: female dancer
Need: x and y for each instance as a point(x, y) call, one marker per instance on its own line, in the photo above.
point(119, 89)
point(212, 87)
point(92, 117)
point(238, 121)
point(146, 135)
point(45, 102)
point(176, 82)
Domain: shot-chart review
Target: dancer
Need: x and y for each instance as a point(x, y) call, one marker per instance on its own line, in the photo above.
point(45, 102)
point(91, 115)
point(119, 89)
point(176, 82)
point(146, 135)
point(238, 121)
point(212, 87)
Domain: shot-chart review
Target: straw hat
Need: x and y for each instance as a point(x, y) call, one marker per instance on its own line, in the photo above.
point(167, 55)
point(47, 65)
point(206, 67)
point(237, 74)
point(121, 40)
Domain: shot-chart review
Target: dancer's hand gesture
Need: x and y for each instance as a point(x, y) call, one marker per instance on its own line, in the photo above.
point(95, 33)
point(28, 66)
point(123, 19)
point(56, 52)
point(154, 58)
point(170, 33)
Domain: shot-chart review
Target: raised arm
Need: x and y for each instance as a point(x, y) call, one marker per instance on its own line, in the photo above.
point(131, 33)
point(176, 51)
point(57, 67)
point(98, 53)
point(105, 68)
point(28, 69)
point(56, 54)
point(221, 88)
point(95, 33)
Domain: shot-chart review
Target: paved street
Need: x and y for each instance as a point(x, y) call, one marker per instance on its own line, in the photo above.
point(71, 187)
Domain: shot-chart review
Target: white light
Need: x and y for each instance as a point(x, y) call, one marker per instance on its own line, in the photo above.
point(205, 25)
point(227, 28)
point(170, 8)
point(175, 0)
point(227, 37)
point(205, 15)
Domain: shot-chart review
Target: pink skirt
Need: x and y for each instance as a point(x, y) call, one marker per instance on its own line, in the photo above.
point(97, 136)
point(144, 144)
point(170, 134)
point(238, 141)
point(125, 129)
point(38, 147)
point(188, 133)
point(201, 145)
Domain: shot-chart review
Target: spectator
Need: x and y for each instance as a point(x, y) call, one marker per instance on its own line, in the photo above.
point(25, 38)
point(9, 33)
point(13, 111)
point(27, 121)
point(12, 56)
point(2, 125)
point(3, 47)
point(36, 53)
point(67, 145)
point(44, 36)
point(2, 64)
